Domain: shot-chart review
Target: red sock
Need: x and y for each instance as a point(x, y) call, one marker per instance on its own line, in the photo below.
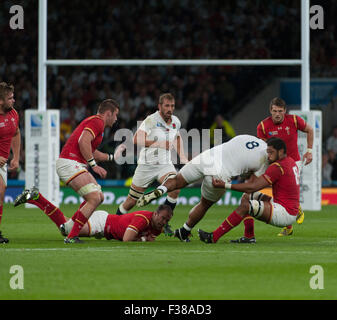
point(289, 227)
point(80, 221)
point(249, 226)
point(75, 215)
point(232, 221)
point(1, 210)
point(54, 213)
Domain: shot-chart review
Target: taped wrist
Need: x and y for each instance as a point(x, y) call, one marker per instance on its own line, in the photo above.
point(92, 163)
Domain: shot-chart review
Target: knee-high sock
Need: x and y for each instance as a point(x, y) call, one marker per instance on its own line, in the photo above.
point(249, 226)
point(232, 221)
point(80, 221)
point(54, 213)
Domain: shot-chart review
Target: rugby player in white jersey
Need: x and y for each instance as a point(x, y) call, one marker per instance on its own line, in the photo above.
point(157, 135)
point(243, 155)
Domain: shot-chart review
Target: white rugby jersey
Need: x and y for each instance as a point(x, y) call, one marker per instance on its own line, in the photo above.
point(157, 129)
point(240, 155)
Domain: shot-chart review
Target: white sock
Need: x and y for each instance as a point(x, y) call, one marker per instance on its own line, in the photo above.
point(162, 188)
point(187, 227)
point(172, 200)
point(122, 210)
point(68, 226)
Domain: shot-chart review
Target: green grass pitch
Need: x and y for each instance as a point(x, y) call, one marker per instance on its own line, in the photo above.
point(273, 268)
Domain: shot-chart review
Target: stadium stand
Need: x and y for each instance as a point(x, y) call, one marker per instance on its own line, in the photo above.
point(163, 30)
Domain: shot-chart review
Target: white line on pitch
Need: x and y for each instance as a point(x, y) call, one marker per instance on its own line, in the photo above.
point(138, 249)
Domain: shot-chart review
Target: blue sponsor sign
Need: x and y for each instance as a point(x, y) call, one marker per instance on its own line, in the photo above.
point(322, 91)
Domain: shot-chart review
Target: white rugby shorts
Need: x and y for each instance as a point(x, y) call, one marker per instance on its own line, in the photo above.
point(146, 174)
point(68, 169)
point(280, 216)
point(97, 223)
point(193, 172)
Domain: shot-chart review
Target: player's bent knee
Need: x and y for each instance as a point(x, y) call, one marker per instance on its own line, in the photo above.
point(255, 196)
point(169, 176)
point(89, 188)
point(245, 197)
point(256, 208)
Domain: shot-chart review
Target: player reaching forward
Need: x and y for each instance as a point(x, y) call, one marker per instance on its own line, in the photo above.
point(79, 152)
point(241, 155)
point(281, 210)
point(136, 226)
point(10, 139)
point(286, 126)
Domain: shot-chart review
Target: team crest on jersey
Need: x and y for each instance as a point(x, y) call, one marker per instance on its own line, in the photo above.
point(288, 130)
point(173, 125)
point(273, 133)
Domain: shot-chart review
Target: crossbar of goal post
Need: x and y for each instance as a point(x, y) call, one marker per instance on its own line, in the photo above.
point(41, 168)
point(303, 62)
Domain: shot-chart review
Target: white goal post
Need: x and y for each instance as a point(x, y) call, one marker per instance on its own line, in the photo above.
point(303, 62)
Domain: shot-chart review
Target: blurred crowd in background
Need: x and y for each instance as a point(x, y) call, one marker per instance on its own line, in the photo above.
point(158, 29)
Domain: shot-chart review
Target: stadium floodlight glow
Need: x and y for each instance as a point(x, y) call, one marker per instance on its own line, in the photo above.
point(303, 62)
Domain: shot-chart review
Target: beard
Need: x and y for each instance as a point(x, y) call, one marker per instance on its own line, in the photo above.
point(7, 108)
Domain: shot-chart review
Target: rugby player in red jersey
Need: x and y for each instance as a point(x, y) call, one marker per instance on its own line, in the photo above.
point(10, 139)
point(286, 126)
point(280, 210)
point(135, 226)
point(79, 152)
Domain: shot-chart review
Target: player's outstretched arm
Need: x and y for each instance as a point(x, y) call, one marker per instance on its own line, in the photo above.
point(132, 235)
point(248, 187)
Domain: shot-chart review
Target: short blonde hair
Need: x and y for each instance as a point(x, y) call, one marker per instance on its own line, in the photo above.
point(168, 96)
point(5, 89)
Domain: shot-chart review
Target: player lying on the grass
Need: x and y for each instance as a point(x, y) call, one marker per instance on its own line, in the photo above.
point(241, 155)
point(280, 210)
point(135, 226)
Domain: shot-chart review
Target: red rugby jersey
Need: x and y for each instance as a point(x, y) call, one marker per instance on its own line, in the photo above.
point(287, 131)
point(71, 150)
point(283, 175)
point(9, 123)
point(140, 221)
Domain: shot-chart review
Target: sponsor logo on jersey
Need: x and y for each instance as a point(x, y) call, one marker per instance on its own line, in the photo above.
point(2, 124)
point(273, 133)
